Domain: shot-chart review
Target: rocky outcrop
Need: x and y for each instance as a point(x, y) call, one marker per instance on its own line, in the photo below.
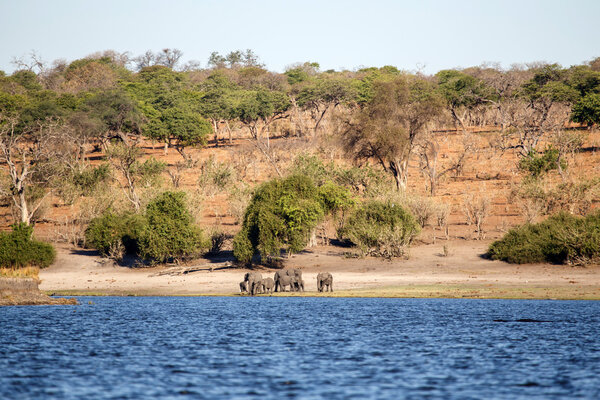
point(25, 291)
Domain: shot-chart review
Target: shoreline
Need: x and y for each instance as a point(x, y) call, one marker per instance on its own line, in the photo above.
point(404, 292)
point(462, 274)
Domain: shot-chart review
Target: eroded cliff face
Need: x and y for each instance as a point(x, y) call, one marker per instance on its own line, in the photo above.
point(25, 291)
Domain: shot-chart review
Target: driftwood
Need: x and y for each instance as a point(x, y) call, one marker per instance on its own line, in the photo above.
point(175, 271)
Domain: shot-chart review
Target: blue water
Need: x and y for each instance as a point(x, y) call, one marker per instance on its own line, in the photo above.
point(308, 348)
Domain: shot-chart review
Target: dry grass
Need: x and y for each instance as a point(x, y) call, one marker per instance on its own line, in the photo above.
point(27, 272)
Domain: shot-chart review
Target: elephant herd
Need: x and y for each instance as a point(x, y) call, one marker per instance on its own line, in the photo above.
point(254, 283)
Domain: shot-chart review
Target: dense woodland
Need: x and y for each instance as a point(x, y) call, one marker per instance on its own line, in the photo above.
point(78, 133)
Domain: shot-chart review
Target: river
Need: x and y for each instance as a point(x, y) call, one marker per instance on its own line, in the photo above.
point(306, 348)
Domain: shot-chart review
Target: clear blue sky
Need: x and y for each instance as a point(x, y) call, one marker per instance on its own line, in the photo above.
point(338, 34)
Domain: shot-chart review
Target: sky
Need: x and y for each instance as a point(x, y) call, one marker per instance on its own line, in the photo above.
point(417, 35)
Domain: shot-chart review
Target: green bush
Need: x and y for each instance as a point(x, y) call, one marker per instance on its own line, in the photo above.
point(164, 232)
point(169, 232)
point(243, 251)
point(562, 238)
point(89, 179)
point(105, 232)
point(18, 249)
point(282, 214)
point(538, 164)
point(382, 229)
point(365, 180)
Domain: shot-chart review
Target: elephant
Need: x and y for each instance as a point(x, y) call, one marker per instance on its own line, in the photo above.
point(243, 287)
point(253, 280)
point(324, 279)
point(299, 285)
point(267, 285)
point(257, 287)
point(291, 272)
point(281, 281)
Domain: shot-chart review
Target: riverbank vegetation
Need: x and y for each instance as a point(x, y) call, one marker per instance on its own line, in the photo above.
point(164, 232)
point(18, 249)
point(562, 238)
point(282, 161)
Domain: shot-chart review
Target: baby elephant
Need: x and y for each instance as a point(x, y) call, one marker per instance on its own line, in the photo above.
point(324, 279)
point(267, 285)
point(243, 287)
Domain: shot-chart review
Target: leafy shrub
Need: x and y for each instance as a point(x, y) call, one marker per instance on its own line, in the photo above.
point(587, 110)
point(115, 234)
point(164, 232)
point(382, 229)
point(312, 167)
point(562, 238)
point(282, 214)
point(104, 232)
point(337, 202)
point(149, 172)
point(89, 179)
point(243, 250)
point(169, 232)
point(215, 176)
point(365, 180)
point(538, 164)
point(18, 249)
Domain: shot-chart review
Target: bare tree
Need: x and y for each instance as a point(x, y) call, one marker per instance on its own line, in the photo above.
point(145, 60)
point(126, 159)
point(35, 63)
point(31, 162)
point(169, 57)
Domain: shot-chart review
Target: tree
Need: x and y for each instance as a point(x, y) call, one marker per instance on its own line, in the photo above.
point(463, 93)
point(171, 109)
point(429, 150)
point(118, 113)
point(31, 156)
point(257, 109)
point(587, 110)
point(235, 59)
point(387, 128)
point(185, 128)
point(169, 232)
point(281, 214)
point(125, 157)
point(323, 95)
point(548, 99)
point(301, 72)
point(167, 57)
point(216, 102)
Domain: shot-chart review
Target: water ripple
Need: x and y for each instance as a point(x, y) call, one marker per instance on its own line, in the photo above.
point(308, 348)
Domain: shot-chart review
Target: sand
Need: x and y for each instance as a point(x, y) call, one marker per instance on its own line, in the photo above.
point(428, 273)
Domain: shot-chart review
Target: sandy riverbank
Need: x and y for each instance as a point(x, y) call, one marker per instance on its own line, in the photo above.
point(428, 273)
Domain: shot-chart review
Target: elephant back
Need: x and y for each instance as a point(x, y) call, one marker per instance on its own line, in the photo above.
point(296, 272)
